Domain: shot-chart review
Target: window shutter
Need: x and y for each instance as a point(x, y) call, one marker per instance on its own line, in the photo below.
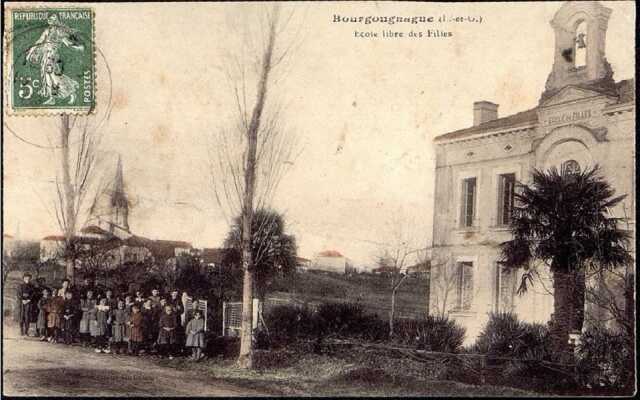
point(467, 212)
point(506, 187)
point(463, 202)
point(506, 290)
point(467, 281)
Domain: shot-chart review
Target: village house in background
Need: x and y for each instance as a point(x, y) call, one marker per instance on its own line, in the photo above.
point(110, 242)
point(303, 264)
point(584, 117)
point(332, 261)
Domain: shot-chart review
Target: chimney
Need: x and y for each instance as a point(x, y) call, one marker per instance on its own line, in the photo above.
point(484, 111)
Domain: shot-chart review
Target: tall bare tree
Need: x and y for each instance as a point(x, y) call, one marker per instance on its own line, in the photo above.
point(403, 249)
point(79, 143)
point(250, 159)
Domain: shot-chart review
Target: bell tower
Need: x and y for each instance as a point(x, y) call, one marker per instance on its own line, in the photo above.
point(579, 54)
point(119, 204)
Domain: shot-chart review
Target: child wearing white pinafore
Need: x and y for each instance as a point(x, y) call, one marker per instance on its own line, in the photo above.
point(195, 335)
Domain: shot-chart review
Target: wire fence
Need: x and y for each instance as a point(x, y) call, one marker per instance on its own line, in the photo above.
point(482, 366)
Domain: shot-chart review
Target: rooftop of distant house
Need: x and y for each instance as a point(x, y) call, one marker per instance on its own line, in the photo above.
point(330, 253)
point(213, 255)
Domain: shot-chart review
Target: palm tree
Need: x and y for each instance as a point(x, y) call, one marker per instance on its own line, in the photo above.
point(562, 219)
point(273, 251)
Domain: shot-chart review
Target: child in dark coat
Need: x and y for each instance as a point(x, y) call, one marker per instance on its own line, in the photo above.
point(119, 319)
point(69, 317)
point(136, 329)
point(167, 332)
point(99, 326)
point(150, 325)
point(41, 323)
point(54, 308)
point(195, 335)
point(88, 308)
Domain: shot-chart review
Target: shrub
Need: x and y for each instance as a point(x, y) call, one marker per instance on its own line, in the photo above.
point(226, 347)
point(286, 323)
point(348, 320)
point(434, 333)
point(506, 336)
point(606, 360)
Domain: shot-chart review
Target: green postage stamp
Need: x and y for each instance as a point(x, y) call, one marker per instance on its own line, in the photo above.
point(50, 61)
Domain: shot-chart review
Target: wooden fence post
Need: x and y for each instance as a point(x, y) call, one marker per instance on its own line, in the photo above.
point(224, 307)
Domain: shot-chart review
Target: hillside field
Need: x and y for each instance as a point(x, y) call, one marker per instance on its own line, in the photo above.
point(372, 291)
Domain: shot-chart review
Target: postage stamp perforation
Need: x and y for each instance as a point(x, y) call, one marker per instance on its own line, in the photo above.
point(9, 40)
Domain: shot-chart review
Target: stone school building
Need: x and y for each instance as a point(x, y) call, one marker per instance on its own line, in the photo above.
point(583, 117)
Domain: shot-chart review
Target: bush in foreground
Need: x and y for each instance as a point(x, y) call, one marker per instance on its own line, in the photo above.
point(506, 336)
point(606, 360)
point(287, 323)
point(434, 333)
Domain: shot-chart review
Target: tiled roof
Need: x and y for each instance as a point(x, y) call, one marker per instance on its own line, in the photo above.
point(213, 255)
point(521, 118)
point(53, 237)
point(624, 89)
point(96, 230)
point(137, 241)
point(166, 248)
point(173, 243)
point(330, 253)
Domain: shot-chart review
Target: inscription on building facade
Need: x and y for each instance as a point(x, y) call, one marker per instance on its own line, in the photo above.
point(569, 117)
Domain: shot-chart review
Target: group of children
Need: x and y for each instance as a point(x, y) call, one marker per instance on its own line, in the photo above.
point(99, 318)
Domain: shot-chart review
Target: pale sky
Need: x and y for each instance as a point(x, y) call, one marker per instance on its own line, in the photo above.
point(380, 101)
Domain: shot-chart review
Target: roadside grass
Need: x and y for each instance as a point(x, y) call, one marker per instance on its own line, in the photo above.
point(296, 373)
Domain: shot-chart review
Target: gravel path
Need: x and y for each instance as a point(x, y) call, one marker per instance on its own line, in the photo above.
point(34, 368)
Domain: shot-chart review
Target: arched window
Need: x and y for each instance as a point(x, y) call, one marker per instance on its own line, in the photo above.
point(581, 45)
point(570, 167)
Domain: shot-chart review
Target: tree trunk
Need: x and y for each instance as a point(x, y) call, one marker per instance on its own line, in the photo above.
point(568, 309)
point(392, 313)
point(245, 358)
point(68, 206)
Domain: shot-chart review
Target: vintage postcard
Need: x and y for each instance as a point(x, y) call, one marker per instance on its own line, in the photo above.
point(319, 199)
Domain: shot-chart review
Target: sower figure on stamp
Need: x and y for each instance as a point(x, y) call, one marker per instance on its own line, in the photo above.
point(26, 295)
point(46, 53)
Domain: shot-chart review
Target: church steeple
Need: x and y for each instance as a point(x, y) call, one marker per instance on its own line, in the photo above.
point(119, 203)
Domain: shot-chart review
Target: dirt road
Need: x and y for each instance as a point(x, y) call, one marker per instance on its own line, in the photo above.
point(34, 368)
